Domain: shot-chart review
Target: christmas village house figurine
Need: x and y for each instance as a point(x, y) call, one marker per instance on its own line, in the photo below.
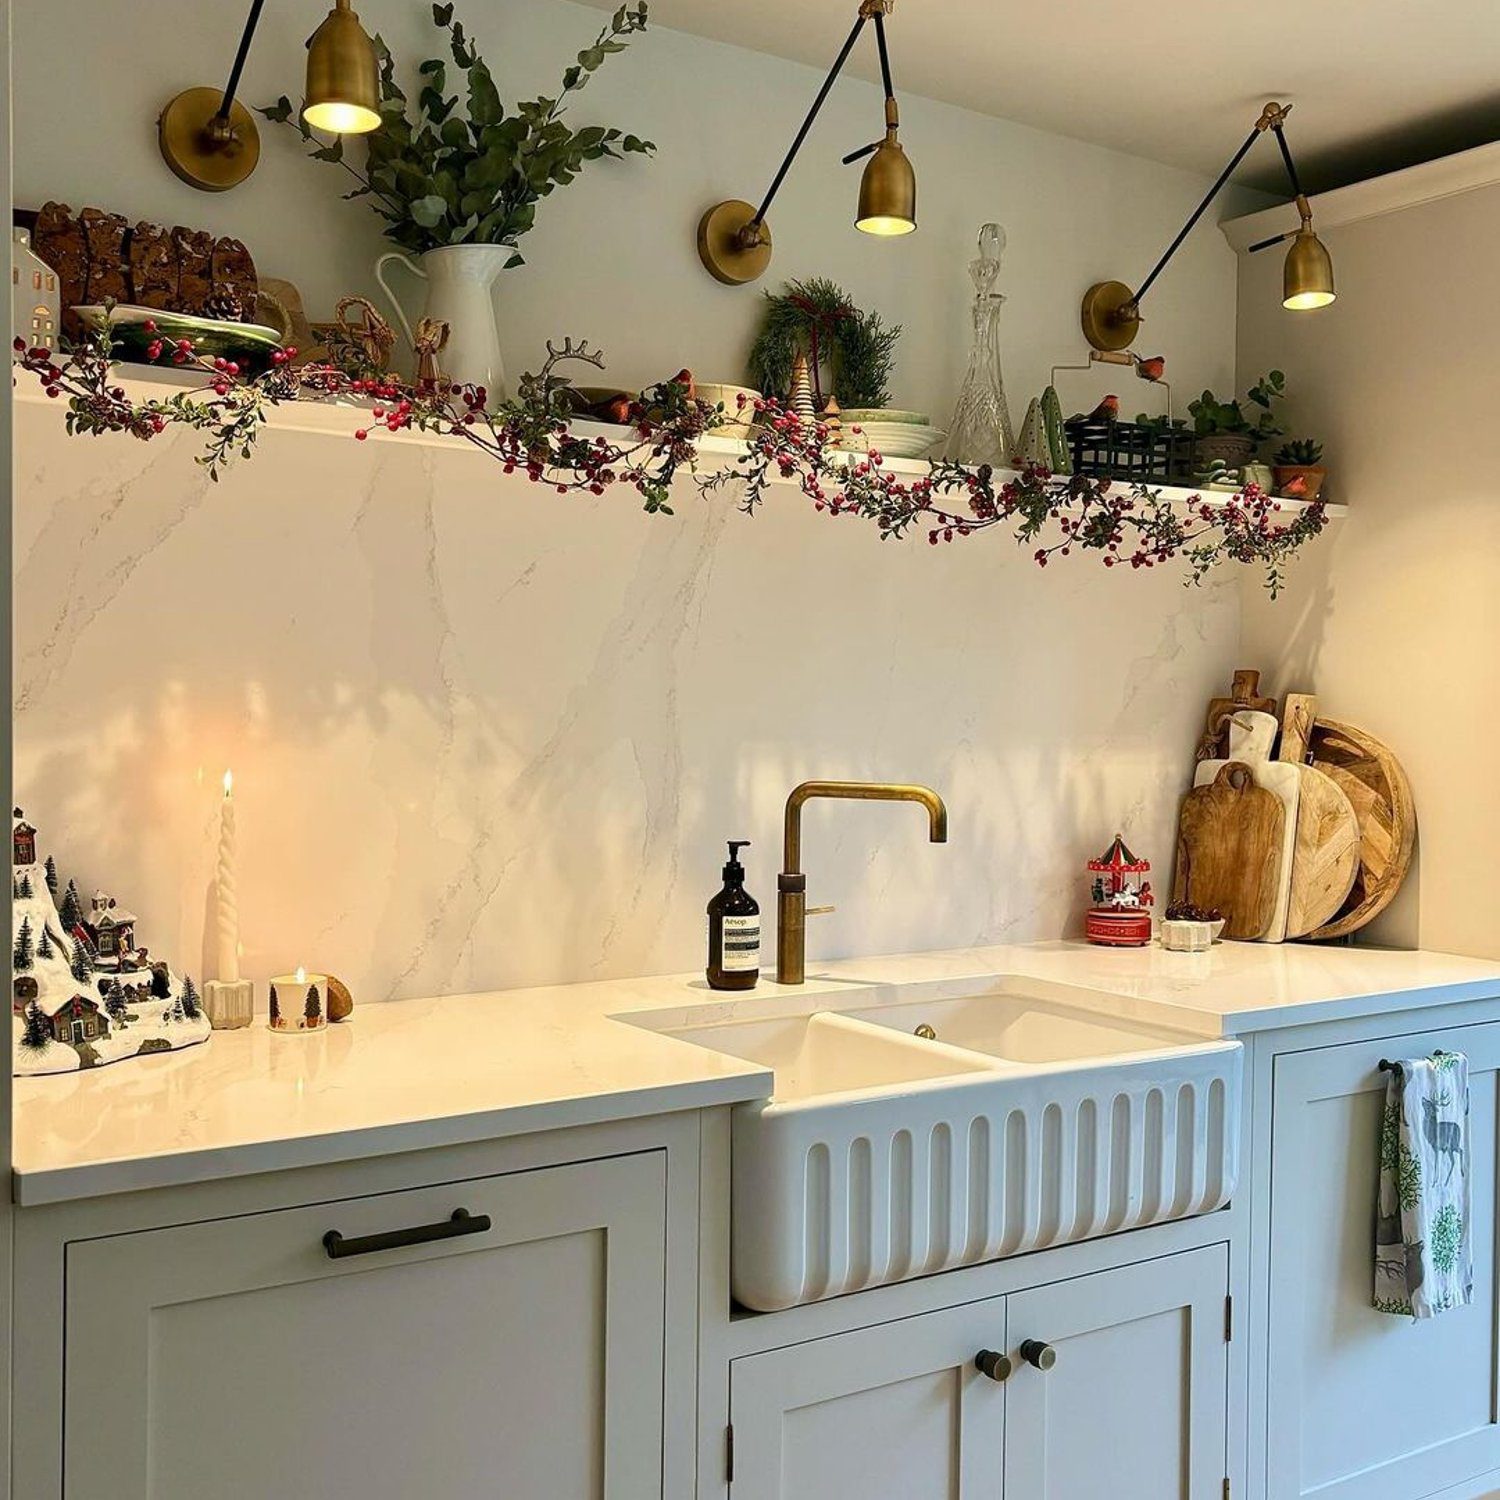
point(1120, 915)
point(35, 296)
point(71, 1007)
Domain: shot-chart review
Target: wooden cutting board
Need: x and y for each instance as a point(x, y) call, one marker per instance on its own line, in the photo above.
point(1230, 838)
point(1285, 783)
point(1244, 692)
point(1373, 780)
point(1325, 853)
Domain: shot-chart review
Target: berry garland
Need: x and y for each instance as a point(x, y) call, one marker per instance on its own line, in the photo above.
point(1130, 526)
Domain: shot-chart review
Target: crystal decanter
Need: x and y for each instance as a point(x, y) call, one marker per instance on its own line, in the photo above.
point(980, 432)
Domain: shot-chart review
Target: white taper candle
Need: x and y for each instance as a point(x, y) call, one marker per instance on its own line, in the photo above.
point(228, 896)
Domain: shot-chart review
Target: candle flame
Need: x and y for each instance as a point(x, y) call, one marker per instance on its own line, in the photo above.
point(301, 975)
point(228, 783)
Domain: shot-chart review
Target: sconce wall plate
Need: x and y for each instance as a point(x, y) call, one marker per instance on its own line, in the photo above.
point(200, 148)
point(720, 247)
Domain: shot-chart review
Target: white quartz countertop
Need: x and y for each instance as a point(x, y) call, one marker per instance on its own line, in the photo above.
point(414, 1074)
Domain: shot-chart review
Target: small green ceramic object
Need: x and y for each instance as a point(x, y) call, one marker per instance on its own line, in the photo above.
point(249, 344)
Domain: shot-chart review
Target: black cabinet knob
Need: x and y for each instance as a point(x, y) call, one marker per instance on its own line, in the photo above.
point(1035, 1352)
point(989, 1362)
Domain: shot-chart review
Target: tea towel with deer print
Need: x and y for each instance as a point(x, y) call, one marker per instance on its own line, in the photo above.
point(1423, 1259)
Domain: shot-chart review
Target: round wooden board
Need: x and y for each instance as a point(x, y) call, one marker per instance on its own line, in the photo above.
point(1375, 784)
point(1325, 861)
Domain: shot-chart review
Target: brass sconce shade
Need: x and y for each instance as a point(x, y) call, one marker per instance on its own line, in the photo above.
point(1307, 276)
point(343, 83)
point(1111, 313)
point(734, 240)
point(888, 190)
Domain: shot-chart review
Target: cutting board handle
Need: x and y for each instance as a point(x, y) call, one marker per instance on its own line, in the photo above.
point(1237, 775)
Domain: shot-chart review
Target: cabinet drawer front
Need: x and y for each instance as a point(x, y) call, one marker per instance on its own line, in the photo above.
point(238, 1359)
point(1134, 1406)
point(897, 1412)
point(1361, 1405)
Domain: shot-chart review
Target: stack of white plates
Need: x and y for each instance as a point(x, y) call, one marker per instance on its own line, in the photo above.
point(890, 433)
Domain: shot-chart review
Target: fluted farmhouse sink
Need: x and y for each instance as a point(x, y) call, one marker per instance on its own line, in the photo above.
point(1023, 1122)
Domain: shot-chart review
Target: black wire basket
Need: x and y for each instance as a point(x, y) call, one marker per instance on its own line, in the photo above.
point(1141, 452)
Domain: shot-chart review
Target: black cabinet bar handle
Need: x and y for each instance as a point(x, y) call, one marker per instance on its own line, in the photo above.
point(462, 1222)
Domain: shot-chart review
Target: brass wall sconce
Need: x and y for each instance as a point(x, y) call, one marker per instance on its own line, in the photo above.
point(734, 240)
point(209, 138)
point(1111, 313)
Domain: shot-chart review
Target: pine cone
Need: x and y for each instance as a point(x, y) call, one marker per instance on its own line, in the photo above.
point(225, 304)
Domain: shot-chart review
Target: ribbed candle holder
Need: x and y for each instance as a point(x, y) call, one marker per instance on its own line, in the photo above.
point(229, 1004)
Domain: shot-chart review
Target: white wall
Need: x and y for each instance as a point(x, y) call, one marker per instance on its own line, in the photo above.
point(485, 736)
point(1394, 620)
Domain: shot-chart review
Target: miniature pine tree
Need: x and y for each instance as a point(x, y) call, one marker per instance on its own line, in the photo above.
point(175, 1012)
point(71, 911)
point(44, 948)
point(189, 999)
point(313, 1010)
point(25, 888)
point(37, 1033)
point(81, 965)
point(51, 869)
point(23, 953)
point(114, 1001)
point(275, 1006)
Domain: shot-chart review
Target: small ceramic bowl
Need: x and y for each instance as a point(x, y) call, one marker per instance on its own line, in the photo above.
point(1187, 937)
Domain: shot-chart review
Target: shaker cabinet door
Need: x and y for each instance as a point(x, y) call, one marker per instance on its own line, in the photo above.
point(896, 1412)
point(1363, 1405)
point(1128, 1394)
point(237, 1359)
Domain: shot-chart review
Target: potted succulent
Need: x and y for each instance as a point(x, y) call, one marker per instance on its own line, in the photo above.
point(458, 185)
point(1299, 469)
point(1225, 431)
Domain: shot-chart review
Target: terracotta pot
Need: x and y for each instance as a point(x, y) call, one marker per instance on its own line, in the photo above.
point(1311, 475)
point(1233, 447)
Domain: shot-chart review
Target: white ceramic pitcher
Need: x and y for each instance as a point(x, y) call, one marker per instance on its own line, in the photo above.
point(460, 291)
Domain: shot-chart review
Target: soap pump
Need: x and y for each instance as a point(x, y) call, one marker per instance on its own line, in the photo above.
point(734, 929)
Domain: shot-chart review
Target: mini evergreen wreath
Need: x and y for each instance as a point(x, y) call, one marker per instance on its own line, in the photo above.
point(818, 318)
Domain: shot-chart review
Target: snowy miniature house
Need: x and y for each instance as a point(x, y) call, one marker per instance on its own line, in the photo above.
point(78, 1020)
point(23, 842)
point(35, 300)
point(111, 928)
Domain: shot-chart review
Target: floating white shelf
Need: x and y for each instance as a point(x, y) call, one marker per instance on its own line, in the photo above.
point(341, 418)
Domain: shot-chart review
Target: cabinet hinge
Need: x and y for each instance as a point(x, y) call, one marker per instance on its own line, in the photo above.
point(1226, 1487)
point(1228, 1334)
point(729, 1455)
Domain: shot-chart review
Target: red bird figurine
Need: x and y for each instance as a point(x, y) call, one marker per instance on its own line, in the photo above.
point(1108, 410)
point(1151, 369)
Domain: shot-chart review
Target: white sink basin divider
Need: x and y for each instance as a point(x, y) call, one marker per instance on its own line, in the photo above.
point(1027, 1123)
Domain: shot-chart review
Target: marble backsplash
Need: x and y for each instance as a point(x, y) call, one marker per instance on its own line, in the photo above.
point(486, 736)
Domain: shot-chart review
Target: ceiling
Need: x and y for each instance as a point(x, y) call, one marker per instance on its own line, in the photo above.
point(1377, 84)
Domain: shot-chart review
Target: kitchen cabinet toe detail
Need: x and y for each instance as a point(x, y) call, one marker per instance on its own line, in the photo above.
point(438, 1341)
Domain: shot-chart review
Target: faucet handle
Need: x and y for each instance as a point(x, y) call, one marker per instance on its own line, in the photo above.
point(818, 911)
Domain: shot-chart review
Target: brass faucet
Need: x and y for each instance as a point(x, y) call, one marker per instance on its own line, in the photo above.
point(791, 885)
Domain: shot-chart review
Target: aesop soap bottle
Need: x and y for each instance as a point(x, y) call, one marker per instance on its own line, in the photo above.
point(734, 929)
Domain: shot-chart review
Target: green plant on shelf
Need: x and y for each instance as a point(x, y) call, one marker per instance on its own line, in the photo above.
point(1300, 453)
point(1213, 418)
point(473, 175)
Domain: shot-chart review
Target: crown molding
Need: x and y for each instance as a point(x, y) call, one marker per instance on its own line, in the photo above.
point(1425, 183)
